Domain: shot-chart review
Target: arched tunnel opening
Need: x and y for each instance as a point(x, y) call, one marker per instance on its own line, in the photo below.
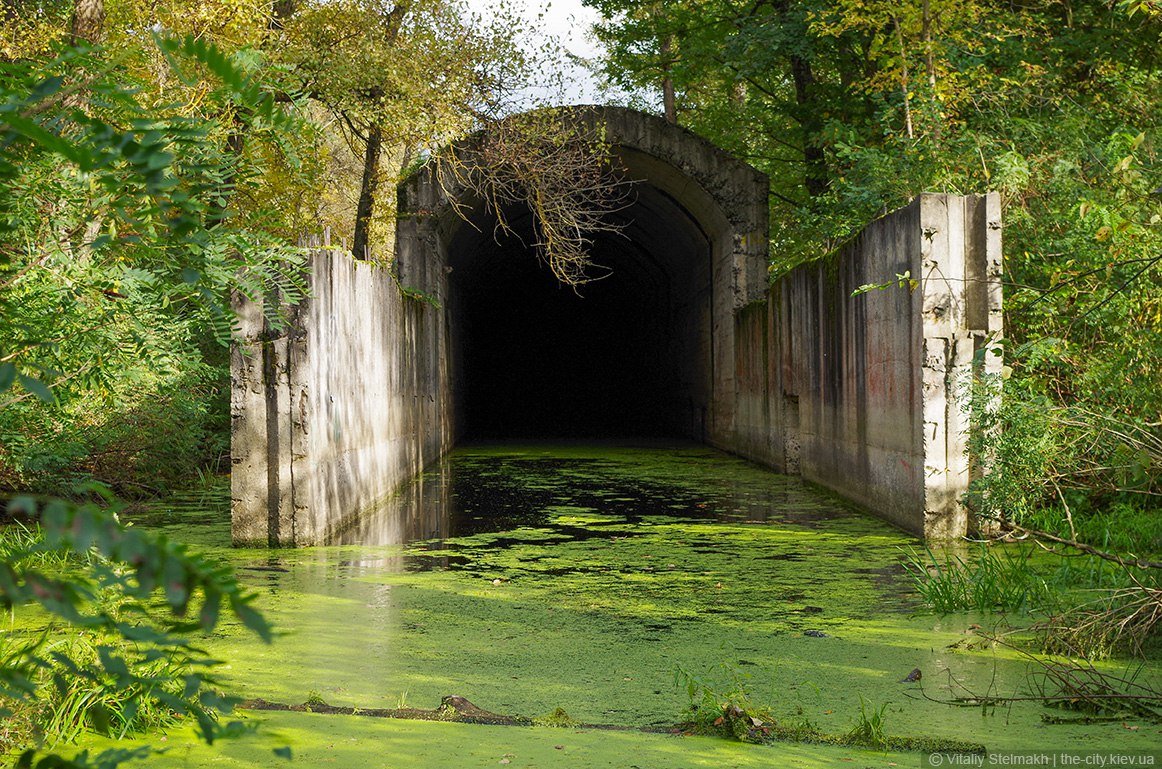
point(627, 354)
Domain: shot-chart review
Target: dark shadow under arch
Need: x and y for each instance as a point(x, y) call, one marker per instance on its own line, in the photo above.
point(625, 355)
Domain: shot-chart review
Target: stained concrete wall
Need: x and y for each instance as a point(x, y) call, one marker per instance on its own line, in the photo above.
point(866, 394)
point(337, 411)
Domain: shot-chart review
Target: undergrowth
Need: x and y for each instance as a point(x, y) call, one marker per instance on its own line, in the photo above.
point(117, 677)
point(1083, 606)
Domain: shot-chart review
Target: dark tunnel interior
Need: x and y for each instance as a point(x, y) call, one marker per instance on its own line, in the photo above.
point(625, 355)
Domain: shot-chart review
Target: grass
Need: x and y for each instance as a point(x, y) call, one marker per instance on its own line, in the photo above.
point(1092, 608)
point(1119, 527)
point(86, 696)
point(60, 680)
point(869, 729)
point(76, 691)
point(993, 579)
point(22, 545)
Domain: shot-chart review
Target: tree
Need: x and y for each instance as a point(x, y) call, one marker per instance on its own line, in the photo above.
point(723, 58)
point(398, 81)
point(115, 260)
point(108, 228)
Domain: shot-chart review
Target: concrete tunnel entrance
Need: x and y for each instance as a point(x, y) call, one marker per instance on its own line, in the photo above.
point(646, 349)
point(627, 354)
point(860, 392)
point(384, 368)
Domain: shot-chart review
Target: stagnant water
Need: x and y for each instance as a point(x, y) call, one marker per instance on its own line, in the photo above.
point(529, 578)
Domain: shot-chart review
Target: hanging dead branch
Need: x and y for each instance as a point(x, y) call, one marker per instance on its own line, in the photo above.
point(555, 162)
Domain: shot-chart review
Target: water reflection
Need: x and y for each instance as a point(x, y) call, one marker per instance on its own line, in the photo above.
point(419, 511)
point(494, 489)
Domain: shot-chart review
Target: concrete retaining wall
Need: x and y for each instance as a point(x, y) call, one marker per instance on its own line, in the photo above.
point(337, 411)
point(866, 394)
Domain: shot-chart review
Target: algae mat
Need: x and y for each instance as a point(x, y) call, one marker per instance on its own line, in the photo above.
point(322, 741)
point(590, 578)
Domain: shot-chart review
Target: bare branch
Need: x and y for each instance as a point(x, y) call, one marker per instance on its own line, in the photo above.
point(552, 162)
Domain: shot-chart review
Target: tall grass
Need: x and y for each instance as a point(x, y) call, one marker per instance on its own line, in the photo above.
point(86, 697)
point(1090, 607)
point(869, 727)
point(23, 544)
point(990, 579)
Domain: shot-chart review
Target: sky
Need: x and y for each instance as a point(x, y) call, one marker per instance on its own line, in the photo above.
point(570, 22)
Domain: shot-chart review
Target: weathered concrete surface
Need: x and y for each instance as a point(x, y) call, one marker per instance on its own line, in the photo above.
point(339, 410)
point(867, 394)
point(863, 394)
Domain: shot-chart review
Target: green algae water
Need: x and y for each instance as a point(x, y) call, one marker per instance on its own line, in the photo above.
point(594, 579)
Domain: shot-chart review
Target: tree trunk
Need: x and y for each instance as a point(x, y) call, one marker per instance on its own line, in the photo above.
point(280, 11)
point(809, 113)
point(364, 212)
point(816, 177)
point(930, 65)
point(668, 101)
point(88, 22)
point(373, 150)
point(904, 80)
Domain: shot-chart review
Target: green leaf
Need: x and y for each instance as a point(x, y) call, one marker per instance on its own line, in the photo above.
point(208, 616)
point(176, 584)
point(46, 88)
point(36, 133)
point(7, 375)
point(36, 387)
point(251, 618)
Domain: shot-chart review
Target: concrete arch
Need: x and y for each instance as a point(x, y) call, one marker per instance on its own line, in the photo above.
point(727, 197)
point(691, 250)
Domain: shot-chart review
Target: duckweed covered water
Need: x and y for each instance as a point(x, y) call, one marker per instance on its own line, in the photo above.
point(585, 578)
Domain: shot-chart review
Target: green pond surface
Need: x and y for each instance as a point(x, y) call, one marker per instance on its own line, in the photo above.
point(530, 578)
